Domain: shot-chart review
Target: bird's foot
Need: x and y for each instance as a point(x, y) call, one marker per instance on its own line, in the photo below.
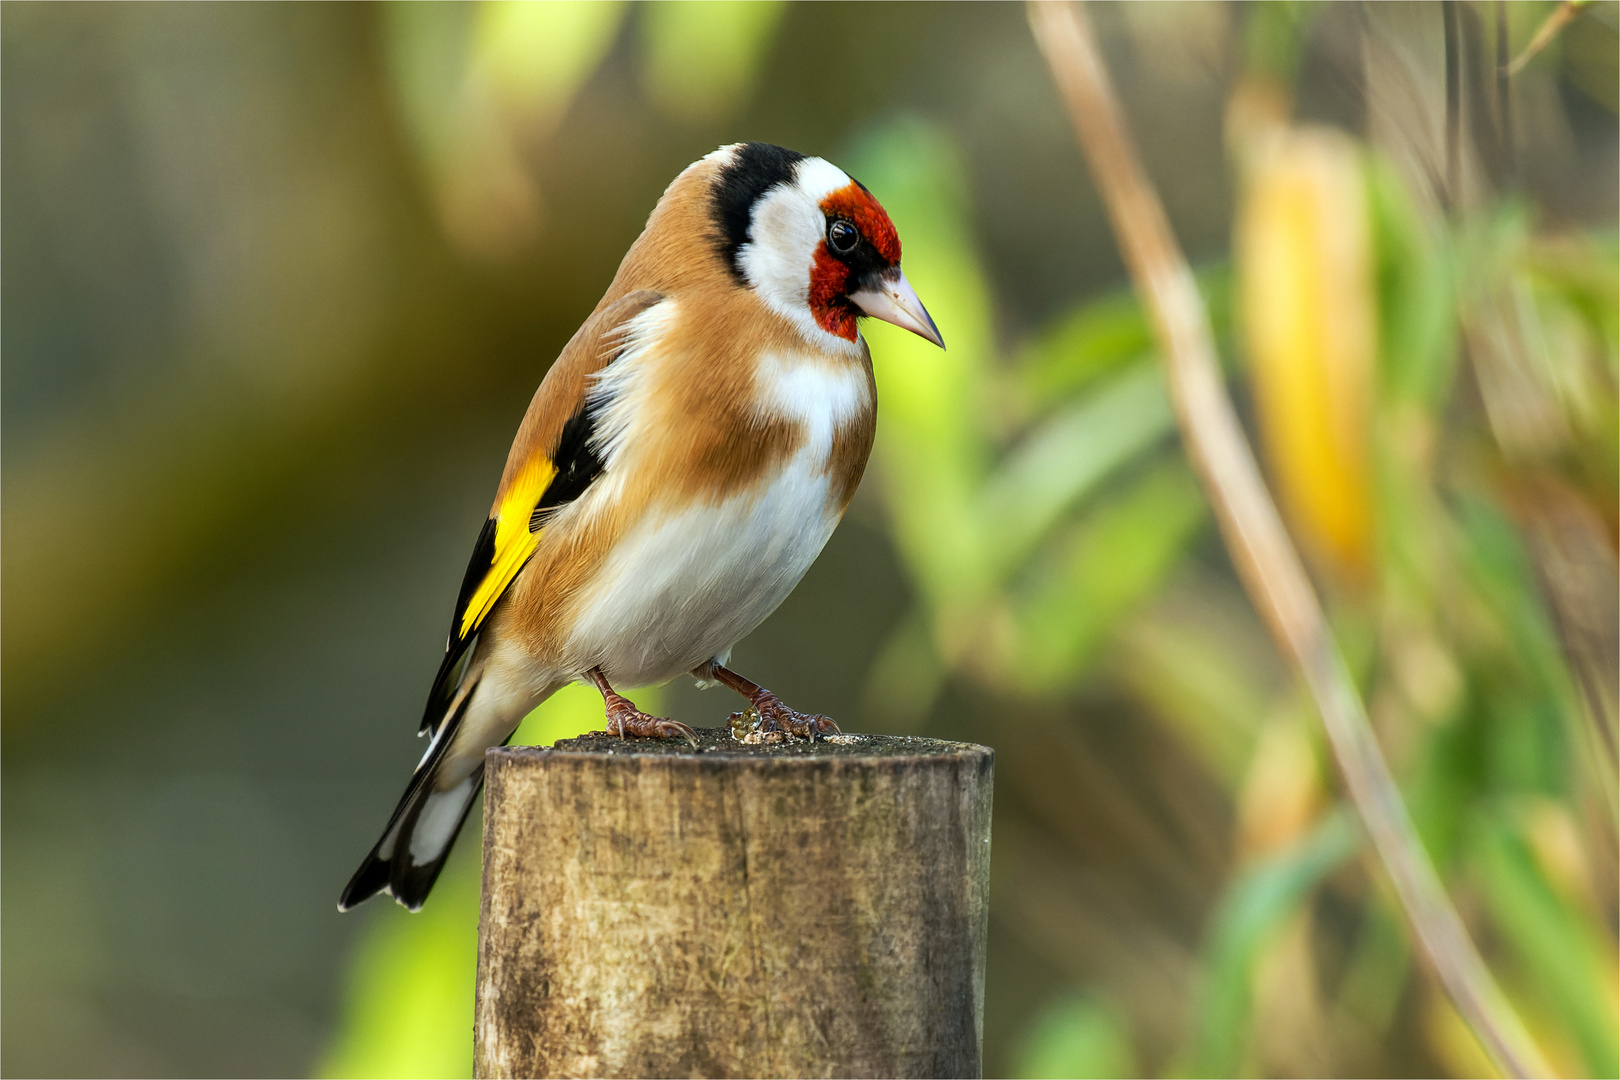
point(767, 716)
point(766, 720)
point(623, 718)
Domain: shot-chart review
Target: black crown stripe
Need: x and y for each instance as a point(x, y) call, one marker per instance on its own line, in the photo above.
point(755, 169)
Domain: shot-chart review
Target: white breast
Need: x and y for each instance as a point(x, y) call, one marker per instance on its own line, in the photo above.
point(681, 587)
point(823, 396)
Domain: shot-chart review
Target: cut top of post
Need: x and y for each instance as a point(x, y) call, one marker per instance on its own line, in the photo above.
point(720, 743)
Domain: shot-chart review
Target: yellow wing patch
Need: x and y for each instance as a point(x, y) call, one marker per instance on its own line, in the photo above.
point(514, 543)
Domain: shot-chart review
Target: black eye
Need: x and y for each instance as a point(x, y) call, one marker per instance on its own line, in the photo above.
point(842, 236)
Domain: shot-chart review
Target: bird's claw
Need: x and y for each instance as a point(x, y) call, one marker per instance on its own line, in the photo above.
point(624, 719)
point(775, 716)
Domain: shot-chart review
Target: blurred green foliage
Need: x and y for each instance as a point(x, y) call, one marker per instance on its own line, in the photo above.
point(1013, 587)
point(1023, 567)
point(409, 1008)
point(1076, 1037)
point(702, 60)
point(1260, 901)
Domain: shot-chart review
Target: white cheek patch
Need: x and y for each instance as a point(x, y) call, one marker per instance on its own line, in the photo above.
point(782, 239)
point(783, 234)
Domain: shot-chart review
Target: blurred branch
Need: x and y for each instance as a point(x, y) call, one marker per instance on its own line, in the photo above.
point(1504, 91)
point(1561, 16)
point(1260, 549)
point(1448, 12)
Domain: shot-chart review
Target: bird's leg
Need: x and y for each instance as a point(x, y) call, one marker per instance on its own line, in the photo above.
point(623, 718)
point(773, 715)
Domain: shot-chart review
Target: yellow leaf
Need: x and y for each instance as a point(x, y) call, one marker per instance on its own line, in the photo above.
point(1309, 325)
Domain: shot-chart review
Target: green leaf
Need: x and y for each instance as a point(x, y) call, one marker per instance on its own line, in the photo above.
point(933, 448)
point(1095, 339)
point(1076, 1036)
point(1113, 560)
point(1558, 945)
point(1066, 458)
point(1197, 658)
point(1257, 904)
point(1272, 37)
point(1417, 302)
point(1102, 336)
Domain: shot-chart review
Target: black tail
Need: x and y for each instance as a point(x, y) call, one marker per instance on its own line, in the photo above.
point(406, 861)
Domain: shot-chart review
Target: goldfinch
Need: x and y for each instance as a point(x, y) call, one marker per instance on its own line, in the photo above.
point(680, 467)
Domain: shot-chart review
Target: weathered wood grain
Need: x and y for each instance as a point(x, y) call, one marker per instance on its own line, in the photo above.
point(791, 910)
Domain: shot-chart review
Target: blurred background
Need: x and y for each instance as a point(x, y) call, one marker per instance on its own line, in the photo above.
point(280, 279)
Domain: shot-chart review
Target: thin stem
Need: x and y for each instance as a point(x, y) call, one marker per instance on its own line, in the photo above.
point(1561, 16)
point(1504, 98)
point(1453, 32)
point(1265, 558)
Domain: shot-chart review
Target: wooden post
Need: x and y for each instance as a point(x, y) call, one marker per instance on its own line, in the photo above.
point(799, 909)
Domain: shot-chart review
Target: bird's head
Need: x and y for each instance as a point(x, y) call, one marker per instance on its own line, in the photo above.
point(812, 242)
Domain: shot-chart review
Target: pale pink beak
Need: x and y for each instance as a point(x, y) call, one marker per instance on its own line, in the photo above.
point(893, 300)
